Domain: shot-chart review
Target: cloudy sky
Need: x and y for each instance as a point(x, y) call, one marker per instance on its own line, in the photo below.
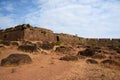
point(86, 18)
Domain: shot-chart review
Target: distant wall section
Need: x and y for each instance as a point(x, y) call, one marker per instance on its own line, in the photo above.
point(39, 34)
point(12, 34)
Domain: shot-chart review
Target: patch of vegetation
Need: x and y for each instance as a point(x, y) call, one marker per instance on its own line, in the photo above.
point(43, 32)
point(2, 46)
point(47, 45)
point(88, 52)
point(69, 58)
point(27, 43)
point(28, 48)
point(58, 43)
point(6, 43)
point(14, 43)
point(110, 63)
point(64, 49)
point(99, 56)
point(91, 61)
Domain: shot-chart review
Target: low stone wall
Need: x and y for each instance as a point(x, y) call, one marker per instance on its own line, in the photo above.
point(103, 42)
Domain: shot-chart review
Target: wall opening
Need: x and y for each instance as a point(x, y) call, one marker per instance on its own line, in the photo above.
point(5, 36)
point(58, 39)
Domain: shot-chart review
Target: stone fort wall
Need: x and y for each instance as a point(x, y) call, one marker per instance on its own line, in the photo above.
point(29, 33)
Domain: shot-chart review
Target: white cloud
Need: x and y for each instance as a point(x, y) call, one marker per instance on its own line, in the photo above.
point(88, 18)
point(6, 21)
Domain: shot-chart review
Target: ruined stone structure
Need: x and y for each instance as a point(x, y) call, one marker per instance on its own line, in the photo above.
point(29, 33)
point(66, 38)
point(103, 42)
point(26, 32)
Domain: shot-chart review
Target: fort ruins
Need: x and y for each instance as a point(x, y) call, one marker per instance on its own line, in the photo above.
point(28, 33)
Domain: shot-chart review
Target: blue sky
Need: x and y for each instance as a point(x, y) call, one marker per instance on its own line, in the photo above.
point(87, 18)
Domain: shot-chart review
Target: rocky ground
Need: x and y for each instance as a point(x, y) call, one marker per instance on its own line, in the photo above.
point(46, 65)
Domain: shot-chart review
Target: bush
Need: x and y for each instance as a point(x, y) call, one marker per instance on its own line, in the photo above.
point(6, 43)
point(92, 61)
point(2, 46)
point(27, 43)
point(117, 49)
point(16, 59)
point(69, 58)
point(99, 56)
point(88, 52)
point(28, 48)
point(58, 43)
point(64, 49)
point(47, 46)
point(15, 43)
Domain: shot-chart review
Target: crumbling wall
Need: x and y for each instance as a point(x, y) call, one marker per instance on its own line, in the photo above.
point(69, 39)
point(102, 42)
point(91, 41)
point(1, 34)
point(29, 33)
point(115, 42)
point(14, 33)
point(11, 35)
point(39, 34)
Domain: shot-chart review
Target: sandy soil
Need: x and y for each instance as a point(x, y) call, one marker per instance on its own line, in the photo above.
point(49, 67)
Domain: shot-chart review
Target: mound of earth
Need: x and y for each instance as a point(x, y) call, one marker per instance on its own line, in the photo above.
point(16, 59)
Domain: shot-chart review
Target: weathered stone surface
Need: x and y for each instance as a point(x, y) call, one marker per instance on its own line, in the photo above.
point(16, 59)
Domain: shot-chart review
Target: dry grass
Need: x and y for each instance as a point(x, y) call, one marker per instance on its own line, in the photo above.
point(91, 61)
point(69, 58)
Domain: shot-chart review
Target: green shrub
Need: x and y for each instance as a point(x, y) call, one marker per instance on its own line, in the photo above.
point(58, 43)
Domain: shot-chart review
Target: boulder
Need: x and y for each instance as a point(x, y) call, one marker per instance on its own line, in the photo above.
point(88, 52)
point(16, 59)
